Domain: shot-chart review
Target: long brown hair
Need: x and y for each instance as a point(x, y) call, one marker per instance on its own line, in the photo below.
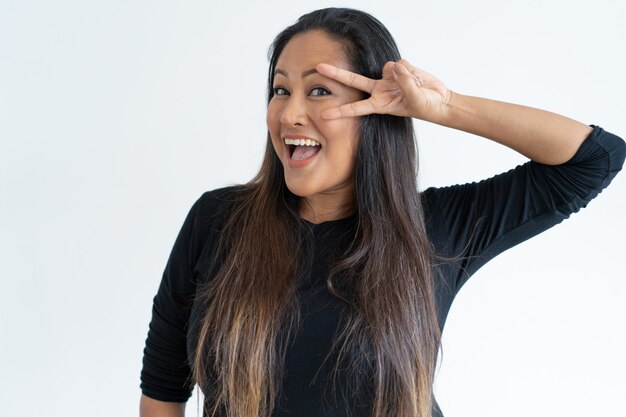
point(385, 276)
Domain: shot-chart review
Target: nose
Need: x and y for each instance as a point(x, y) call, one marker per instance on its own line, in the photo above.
point(294, 113)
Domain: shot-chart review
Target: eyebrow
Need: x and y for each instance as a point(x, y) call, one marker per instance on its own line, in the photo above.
point(304, 73)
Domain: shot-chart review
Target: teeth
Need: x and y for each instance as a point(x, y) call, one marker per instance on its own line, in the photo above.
point(301, 142)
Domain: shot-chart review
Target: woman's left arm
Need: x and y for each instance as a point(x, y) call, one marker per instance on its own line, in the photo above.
point(540, 135)
point(405, 90)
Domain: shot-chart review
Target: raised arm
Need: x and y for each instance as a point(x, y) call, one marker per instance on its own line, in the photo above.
point(540, 135)
point(404, 90)
point(571, 162)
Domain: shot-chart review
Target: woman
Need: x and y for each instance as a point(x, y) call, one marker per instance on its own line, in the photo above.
point(322, 286)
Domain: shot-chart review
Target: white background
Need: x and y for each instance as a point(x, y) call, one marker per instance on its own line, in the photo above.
point(115, 116)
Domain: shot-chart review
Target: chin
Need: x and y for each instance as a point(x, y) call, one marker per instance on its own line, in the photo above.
point(300, 190)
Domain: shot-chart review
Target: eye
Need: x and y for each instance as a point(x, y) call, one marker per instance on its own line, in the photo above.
point(319, 91)
point(280, 91)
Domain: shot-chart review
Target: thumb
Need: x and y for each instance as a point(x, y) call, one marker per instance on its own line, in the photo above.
point(406, 81)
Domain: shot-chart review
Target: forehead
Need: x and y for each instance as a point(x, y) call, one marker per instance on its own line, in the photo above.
point(305, 50)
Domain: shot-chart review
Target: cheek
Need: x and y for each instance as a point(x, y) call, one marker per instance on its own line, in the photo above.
point(353, 128)
point(353, 143)
point(272, 120)
point(346, 133)
point(342, 146)
point(272, 117)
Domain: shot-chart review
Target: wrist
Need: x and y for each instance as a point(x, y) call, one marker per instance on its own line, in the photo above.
point(443, 115)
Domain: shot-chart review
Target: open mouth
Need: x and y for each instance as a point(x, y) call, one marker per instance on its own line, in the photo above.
point(300, 149)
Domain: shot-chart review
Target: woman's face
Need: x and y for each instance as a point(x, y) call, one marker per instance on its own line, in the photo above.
point(321, 171)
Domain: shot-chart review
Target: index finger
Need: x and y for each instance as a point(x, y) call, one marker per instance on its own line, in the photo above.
point(358, 108)
point(346, 77)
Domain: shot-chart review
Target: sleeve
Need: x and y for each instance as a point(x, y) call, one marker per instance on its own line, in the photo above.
point(481, 220)
point(165, 375)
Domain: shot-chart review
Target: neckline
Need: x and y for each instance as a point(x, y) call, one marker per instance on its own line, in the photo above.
point(340, 221)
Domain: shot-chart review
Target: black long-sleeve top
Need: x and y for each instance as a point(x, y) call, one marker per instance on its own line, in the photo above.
point(470, 223)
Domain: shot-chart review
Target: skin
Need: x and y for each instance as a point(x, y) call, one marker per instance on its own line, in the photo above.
point(404, 90)
point(149, 407)
point(301, 94)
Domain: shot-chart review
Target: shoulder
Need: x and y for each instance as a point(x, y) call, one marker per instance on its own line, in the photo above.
point(220, 196)
point(204, 225)
point(208, 215)
point(216, 204)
